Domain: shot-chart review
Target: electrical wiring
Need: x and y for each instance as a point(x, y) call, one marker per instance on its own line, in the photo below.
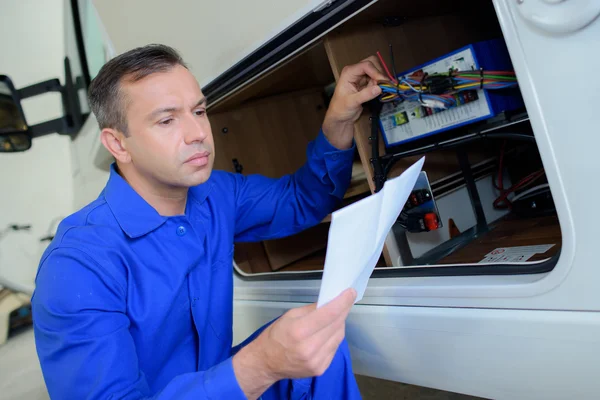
point(444, 90)
point(441, 90)
point(387, 71)
point(502, 202)
point(530, 191)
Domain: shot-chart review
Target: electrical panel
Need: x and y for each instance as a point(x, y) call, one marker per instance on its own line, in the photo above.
point(453, 90)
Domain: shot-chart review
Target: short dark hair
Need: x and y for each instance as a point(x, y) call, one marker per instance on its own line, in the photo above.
point(106, 99)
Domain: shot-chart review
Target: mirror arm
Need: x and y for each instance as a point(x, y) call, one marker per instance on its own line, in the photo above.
point(51, 85)
point(68, 124)
point(58, 125)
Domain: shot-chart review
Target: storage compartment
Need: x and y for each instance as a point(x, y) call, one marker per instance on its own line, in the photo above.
point(486, 177)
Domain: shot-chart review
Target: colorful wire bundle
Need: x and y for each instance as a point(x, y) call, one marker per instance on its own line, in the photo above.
point(439, 90)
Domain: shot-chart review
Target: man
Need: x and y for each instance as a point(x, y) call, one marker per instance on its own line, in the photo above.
point(134, 296)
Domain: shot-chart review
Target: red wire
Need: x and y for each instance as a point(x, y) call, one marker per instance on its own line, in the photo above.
point(393, 79)
point(503, 202)
point(509, 73)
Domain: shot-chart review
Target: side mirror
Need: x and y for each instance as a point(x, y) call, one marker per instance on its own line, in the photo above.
point(14, 132)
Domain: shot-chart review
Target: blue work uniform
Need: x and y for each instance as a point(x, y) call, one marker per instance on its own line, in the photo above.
point(130, 304)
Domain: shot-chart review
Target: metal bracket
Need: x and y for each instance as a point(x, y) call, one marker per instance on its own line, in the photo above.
point(72, 121)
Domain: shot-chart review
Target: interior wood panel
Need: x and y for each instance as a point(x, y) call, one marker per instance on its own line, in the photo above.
point(308, 69)
point(269, 136)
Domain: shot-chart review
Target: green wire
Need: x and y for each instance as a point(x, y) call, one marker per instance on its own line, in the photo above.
point(490, 76)
point(506, 78)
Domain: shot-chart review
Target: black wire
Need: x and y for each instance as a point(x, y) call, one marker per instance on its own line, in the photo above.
point(393, 62)
point(391, 159)
point(394, 72)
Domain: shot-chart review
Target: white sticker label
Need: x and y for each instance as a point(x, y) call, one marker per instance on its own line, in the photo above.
point(514, 254)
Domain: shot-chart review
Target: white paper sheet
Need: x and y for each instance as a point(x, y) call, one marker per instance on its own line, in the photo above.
point(357, 235)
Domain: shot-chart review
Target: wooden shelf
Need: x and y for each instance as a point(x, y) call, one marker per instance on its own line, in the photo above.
point(511, 232)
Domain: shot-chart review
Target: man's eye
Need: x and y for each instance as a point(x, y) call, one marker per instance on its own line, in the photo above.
point(200, 112)
point(166, 121)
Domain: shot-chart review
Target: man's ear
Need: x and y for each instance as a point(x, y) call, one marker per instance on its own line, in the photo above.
point(114, 141)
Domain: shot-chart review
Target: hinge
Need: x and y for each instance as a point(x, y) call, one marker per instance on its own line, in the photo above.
point(323, 5)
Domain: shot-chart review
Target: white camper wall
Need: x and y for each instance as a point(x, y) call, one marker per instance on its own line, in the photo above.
point(36, 184)
point(211, 35)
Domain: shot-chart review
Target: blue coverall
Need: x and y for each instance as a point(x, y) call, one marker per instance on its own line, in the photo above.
point(130, 304)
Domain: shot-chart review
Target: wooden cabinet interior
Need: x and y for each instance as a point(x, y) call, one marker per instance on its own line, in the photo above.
point(310, 69)
point(265, 127)
point(268, 136)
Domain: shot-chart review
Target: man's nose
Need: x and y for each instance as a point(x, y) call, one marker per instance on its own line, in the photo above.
point(195, 130)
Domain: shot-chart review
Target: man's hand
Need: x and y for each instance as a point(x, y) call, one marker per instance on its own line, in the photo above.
point(302, 343)
point(357, 85)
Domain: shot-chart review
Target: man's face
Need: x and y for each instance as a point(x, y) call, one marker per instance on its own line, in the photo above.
point(170, 140)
